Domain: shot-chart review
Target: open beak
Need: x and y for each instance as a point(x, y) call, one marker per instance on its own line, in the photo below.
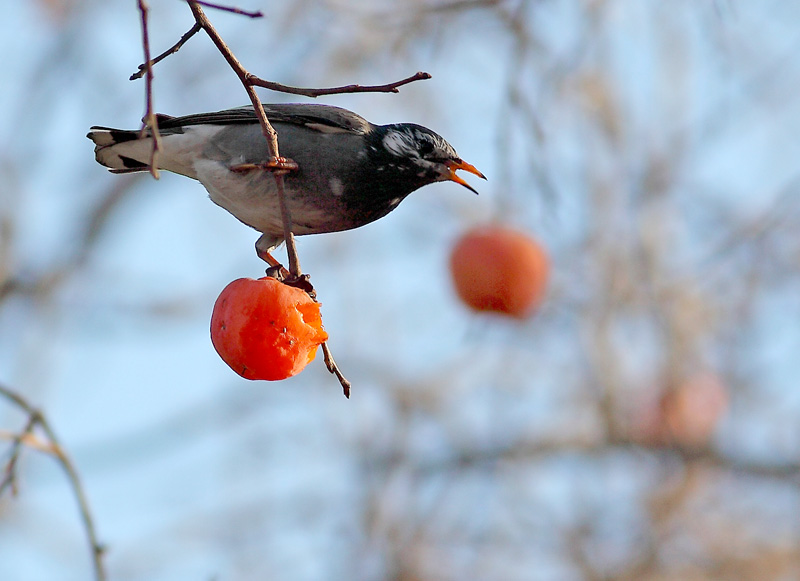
point(454, 164)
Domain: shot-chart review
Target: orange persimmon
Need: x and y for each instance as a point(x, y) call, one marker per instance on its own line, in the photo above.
point(498, 269)
point(687, 413)
point(264, 329)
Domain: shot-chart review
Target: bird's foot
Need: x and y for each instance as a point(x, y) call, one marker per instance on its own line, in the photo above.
point(281, 165)
point(277, 271)
point(301, 281)
point(276, 165)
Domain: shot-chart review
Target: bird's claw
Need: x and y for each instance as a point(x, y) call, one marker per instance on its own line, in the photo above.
point(281, 164)
point(277, 272)
point(301, 281)
point(276, 165)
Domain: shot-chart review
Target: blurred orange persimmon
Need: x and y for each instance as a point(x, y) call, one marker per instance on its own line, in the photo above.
point(264, 329)
point(499, 269)
point(686, 414)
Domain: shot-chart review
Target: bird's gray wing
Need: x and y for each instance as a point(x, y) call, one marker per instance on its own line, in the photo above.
point(323, 118)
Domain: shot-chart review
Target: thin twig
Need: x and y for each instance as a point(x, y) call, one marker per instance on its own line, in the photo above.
point(291, 248)
point(202, 20)
point(149, 121)
point(249, 14)
point(171, 50)
point(330, 363)
point(259, 82)
point(461, 5)
point(307, 92)
point(36, 418)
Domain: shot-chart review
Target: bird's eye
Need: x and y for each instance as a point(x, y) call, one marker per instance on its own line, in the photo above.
point(426, 147)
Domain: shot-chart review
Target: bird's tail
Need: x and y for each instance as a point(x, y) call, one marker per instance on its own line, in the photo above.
point(121, 150)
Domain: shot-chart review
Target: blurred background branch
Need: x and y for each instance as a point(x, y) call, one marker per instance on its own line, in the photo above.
point(642, 425)
point(49, 444)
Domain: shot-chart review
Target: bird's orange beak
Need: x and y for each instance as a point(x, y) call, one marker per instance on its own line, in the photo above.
point(455, 164)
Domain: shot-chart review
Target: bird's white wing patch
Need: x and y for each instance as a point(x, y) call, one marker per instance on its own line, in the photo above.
point(337, 187)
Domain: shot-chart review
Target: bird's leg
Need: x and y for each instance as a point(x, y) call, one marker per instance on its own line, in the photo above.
point(276, 269)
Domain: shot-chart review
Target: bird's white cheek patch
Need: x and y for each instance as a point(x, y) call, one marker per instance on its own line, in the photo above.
point(337, 188)
point(397, 144)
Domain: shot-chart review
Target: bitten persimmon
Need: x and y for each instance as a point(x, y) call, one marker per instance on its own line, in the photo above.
point(264, 329)
point(499, 269)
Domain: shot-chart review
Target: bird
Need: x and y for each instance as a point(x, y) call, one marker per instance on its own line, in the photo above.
point(349, 172)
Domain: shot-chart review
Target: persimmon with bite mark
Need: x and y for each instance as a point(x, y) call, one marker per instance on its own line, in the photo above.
point(264, 329)
point(498, 269)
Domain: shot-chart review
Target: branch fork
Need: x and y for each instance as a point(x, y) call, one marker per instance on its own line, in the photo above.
point(47, 442)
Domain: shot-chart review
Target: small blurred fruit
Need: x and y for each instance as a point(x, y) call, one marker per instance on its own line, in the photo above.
point(693, 410)
point(687, 415)
point(264, 329)
point(501, 270)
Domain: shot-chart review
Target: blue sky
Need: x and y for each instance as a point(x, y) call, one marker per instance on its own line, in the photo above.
point(193, 472)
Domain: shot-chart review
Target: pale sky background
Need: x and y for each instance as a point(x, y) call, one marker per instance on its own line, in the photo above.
point(194, 473)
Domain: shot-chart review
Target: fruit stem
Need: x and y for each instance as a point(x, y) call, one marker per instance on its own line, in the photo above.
point(330, 363)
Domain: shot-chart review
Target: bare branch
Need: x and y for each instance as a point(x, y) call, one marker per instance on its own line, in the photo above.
point(266, 128)
point(461, 5)
point(524, 452)
point(37, 419)
point(330, 363)
point(149, 121)
point(10, 476)
point(171, 50)
point(235, 10)
point(202, 20)
point(308, 92)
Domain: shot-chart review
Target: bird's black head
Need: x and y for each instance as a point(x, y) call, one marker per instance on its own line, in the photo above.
point(422, 154)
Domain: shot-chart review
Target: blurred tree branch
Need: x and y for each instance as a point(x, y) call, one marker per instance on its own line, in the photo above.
point(524, 453)
point(50, 445)
point(663, 136)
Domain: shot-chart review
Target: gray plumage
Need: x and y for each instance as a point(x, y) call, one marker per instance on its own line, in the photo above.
point(351, 172)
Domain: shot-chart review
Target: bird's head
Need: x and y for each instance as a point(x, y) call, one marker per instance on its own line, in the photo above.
point(418, 149)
